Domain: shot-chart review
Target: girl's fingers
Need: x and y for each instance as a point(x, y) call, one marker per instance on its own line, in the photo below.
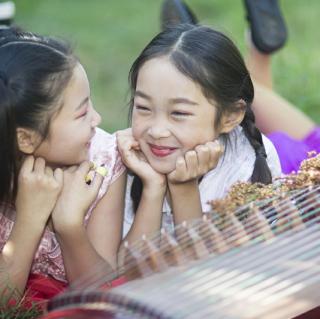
point(216, 150)
point(130, 154)
point(48, 171)
point(192, 163)
point(181, 170)
point(39, 165)
point(128, 145)
point(84, 168)
point(203, 153)
point(181, 165)
point(97, 181)
point(198, 162)
point(58, 175)
point(71, 169)
point(27, 165)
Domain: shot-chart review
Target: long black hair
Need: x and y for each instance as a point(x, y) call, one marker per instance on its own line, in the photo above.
point(210, 59)
point(34, 71)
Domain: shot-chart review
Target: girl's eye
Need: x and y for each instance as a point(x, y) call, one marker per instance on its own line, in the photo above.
point(142, 108)
point(180, 114)
point(82, 114)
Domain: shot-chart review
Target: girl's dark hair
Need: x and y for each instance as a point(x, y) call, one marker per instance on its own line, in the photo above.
point(34, 71)
point(210, 59)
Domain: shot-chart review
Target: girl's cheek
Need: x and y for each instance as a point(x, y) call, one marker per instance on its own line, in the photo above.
point(136, 133)
point(137, 127)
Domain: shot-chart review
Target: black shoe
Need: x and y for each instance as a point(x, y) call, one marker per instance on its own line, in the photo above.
point(175, 12)
point(268, 29)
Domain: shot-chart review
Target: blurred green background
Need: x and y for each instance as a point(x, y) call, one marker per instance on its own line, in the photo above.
point(109, 34)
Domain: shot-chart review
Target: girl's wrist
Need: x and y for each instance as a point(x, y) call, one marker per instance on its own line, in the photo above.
point(183, 186)
point(31, 221)
point(155, 186)
point(67, 225)
point(154, 190)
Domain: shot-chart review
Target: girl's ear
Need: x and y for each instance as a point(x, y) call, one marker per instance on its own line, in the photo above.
point(28, 140)
point(230, 120)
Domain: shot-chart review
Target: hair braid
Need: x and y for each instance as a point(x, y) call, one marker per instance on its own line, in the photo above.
point(136, 191)
point(261, 172)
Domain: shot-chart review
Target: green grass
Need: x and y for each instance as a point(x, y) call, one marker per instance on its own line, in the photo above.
point(17, 310)
point(109, 34)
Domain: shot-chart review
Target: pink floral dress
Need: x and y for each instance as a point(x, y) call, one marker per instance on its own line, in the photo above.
point(48, 258)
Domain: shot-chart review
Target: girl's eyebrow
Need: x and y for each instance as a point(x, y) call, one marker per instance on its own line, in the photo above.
point(85, 100)
point(143, 95)
point(182, 100)
point(178, 100)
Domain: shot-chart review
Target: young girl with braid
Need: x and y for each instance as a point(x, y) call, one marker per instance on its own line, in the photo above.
point(193, 133)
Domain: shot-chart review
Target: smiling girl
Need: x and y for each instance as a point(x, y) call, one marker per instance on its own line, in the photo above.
point(53, 226)
point(193, 133)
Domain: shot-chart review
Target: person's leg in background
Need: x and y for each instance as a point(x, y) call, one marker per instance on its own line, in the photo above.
point(293, 133)
point(273, 113)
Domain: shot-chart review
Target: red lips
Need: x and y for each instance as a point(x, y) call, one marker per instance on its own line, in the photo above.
point(161, 151)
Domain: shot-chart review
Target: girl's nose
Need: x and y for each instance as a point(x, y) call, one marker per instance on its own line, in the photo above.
point(96, 118)
point(159, 130)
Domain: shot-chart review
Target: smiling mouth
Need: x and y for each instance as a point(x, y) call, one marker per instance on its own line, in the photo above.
point(161, 151)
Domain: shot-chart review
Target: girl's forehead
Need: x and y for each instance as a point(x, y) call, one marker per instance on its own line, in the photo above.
point(159, 77)
point(76, 91)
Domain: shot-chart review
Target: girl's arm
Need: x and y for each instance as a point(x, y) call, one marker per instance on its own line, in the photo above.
point(105, 224)
point(79, 253)
point(38, 189)
point(148, 217)
point(149, 213)
point(185, 201)
point(183, 181)
point(18, 254)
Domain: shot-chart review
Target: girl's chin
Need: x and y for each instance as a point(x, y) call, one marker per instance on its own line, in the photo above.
point(163, 169)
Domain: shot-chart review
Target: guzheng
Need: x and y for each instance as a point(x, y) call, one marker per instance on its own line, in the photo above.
point(259, 260)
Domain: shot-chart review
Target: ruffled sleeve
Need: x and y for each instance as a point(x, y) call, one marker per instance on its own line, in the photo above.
point(104, 152)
